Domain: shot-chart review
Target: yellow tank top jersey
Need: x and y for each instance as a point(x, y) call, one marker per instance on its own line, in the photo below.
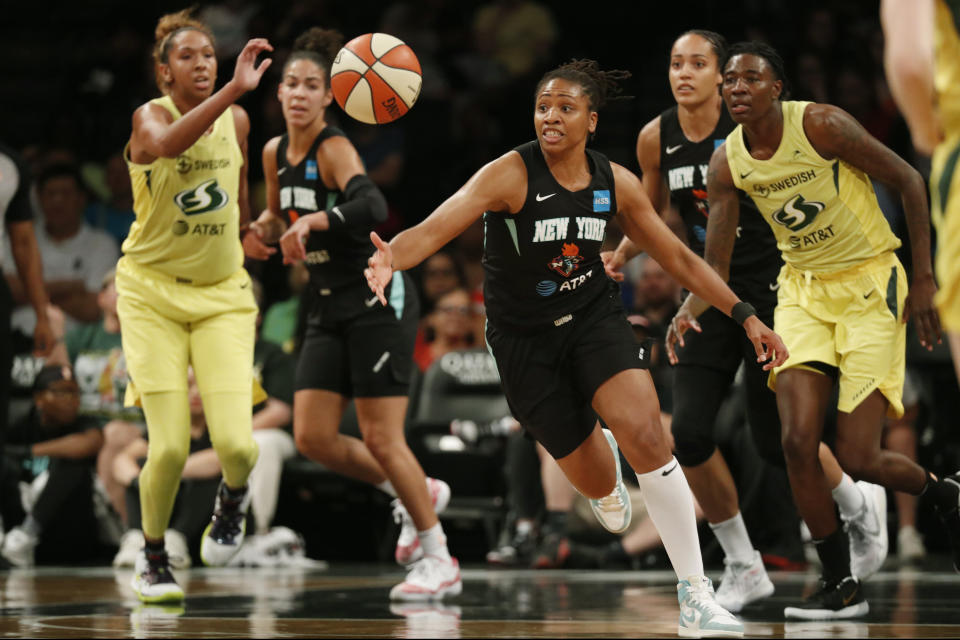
point(188, 219)
point(946, 79)
point(824, 213)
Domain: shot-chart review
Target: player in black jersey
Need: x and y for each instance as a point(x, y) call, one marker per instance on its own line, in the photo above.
point(321, 207)
point(564, 349)
point(674, 152)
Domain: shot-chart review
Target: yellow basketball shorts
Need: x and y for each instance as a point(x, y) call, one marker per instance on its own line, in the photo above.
point(167, 325)
point(945, 210)
point(851, 320)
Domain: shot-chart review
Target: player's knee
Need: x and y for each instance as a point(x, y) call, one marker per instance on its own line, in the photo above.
point(692, 447)
point(314, 444)
point(799, 446)
point(237, 452)
point(169, 456)
point(380, 443)
point(856, 463)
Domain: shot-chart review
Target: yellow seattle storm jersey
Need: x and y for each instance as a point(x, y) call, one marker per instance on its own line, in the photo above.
point(946, 79)
point(824, 213)
point(188, 219)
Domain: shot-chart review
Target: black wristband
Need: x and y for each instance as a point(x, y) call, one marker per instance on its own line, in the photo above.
point(741, 311)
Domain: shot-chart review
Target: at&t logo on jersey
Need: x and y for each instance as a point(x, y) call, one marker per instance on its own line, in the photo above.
point(601, 200)
point(205, 197)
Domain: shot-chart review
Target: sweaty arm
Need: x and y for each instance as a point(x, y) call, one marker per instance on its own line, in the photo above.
point(834, 133)
point(908, 62)
point(29, 287)
point(241, 124)
point(270, 224)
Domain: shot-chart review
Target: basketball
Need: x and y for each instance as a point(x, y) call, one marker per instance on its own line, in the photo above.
point(375, 78)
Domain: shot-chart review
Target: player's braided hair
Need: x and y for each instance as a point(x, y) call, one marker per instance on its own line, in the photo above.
point(317, 45)
point(717, 42)
point(168, 27)
point(768, 53)
point(599, 86)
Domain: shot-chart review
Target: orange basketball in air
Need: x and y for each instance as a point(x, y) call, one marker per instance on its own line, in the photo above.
point(376, 78)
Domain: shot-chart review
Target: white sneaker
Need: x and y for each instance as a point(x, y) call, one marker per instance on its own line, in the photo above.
point(177, 549)
point(700, 614)
point(868, 532)
point(18, 547)
point(431, 578)
point(614, 511)
point(228, 526)
point(910, 545)
point(153, 581)
point(742, 584)
point(131, 543)
point(408, 544)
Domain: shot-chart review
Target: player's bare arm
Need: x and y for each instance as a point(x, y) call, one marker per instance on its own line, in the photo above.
point(270, 225)
point(500, 185)
point(908, 61)
point(834, 133)
point(648, 156)
point(157, 135)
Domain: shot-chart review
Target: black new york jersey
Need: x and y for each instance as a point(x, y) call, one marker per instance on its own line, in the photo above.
point(543, 262)
point(334, 258)
point(684, 164)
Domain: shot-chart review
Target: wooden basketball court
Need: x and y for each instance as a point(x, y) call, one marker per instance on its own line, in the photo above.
point(352, 601)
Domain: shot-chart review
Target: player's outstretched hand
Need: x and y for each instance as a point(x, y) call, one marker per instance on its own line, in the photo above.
point(612, 263)
point(379, 269)
point(768, 345)
point(247, 74)
point(678, 326)
point(293, 242)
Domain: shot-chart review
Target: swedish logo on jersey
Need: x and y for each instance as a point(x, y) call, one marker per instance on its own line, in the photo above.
point(601, 200)
point(207, 196)
point(797, 213)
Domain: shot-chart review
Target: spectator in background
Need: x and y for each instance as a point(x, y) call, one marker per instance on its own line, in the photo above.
point(56, 449)
point(449, 327)
point(22, 252)
point(656, 295)
point(115, 214)
point(95, 352)
point(74, 256)
point(518, 34)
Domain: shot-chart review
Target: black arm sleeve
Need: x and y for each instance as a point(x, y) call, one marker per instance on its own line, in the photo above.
point(365, 206)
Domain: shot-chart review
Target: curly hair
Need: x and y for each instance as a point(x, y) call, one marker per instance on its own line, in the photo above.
point(317, 45)
point(599, 86)
point(168, 27)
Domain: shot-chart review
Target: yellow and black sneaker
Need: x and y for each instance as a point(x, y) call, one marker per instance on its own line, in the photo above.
point(834, 600)
point(153, 580)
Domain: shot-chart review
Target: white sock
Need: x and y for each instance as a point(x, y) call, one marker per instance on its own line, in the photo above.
point(434, 543)
point(734, 539)
point(387, 488)
point(670, 505)
point(847, 495)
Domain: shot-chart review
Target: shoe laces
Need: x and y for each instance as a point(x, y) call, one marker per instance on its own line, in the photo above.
point(703, 597)
point(611, 502)
point(400, 513)
point(422, 569)
point(227, 519)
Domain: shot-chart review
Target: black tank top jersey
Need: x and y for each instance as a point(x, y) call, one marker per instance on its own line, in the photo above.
point(683, 164)
point(334, 258)
point(543, 262)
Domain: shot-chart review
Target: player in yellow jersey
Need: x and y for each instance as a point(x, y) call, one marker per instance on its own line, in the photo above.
point(922, 59)
point(842, 300)
point(183, 295)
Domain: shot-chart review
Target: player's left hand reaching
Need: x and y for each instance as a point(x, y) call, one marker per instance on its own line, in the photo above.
point(379, 269)
point(768, 345)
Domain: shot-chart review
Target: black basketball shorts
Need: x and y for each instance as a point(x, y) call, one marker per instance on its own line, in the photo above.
point(550, 375)
point(357, 347)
